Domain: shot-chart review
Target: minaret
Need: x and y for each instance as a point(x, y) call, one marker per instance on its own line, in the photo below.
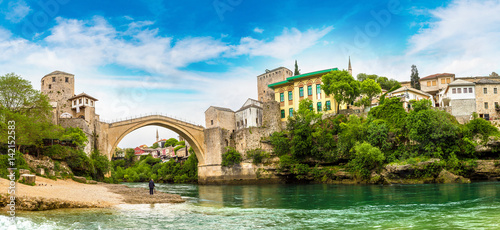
point(157, 137)
point(350, 68)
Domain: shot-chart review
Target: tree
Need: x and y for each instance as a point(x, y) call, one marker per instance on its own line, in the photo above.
point(76, 135)
point(171, 142)
point(301, 129)
point(297, 70)
point(415, 80)
point(370, 88)
point(363, 76)
point(29, 108)
point(155, 145)
point(493, 74)
point(342, 86)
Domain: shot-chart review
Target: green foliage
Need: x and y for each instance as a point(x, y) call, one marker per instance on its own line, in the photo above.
point(370, 88)
point(422, 105)
point(230, 157)
point(435, 132)
point(19, 161)
point(481, 127)
point(301, 129)
point(281, 143)
point(129, 157)
point(178, 147)
point(181, 143)
point(155, 145)
point(392, 112)
point(171, 142)
point(341, 85)
point(377, 135)
point(76, 135)
point(101, 165)
point(366, 158)
point(257, 155)
point(415, 79)
point(351, 132)
point(80, 164)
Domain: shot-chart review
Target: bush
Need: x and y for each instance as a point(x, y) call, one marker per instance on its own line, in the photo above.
point(366, 158)
point(281, 143)
point(80, 164)
point(57, 152)
point(101, 165)
point(482, 127)
point(257, 155)
point(230, 157)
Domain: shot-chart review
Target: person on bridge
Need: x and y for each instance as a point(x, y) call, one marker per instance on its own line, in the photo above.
point(151, 186)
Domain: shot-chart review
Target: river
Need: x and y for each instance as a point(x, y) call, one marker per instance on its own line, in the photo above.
point(304, 206)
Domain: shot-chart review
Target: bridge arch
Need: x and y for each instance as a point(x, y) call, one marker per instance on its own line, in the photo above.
point(193, 134)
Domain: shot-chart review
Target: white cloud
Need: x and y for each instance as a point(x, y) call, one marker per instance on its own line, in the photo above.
point(258, 30)
point(290, 43)
point(462, 38)
point(17, 10)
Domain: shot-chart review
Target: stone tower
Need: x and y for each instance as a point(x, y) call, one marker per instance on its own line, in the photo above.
point(270, 76)
point(350, 68)
point(59, 87)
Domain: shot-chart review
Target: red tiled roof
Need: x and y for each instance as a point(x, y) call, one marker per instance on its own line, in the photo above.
point(438, 75)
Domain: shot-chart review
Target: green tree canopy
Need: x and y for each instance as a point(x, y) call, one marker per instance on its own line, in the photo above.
point(414, 78)
point(297, 70)
point(342, 86)
point(171, 142)
point(76, 135)
point(370, 89)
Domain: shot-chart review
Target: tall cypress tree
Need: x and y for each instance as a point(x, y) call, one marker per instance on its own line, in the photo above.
point(415, 80)
point(296, 72)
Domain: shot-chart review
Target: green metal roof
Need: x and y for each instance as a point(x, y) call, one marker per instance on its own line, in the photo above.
point(291, 79)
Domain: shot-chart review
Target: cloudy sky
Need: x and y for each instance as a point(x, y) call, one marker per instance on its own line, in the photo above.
point(180, 57)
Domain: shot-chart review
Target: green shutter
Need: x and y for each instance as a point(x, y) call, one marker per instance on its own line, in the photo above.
point(282, 113)
point(328, 106)
point(282, 97)
point(290, 111)
point(301, 91)
point(309, 90)
point(290, 95)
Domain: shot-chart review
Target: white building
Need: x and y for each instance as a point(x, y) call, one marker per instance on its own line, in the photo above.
point(249, 115)
point(407, 94)
point(460, 96)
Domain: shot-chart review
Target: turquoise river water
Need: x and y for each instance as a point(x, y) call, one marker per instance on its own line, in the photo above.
point(311, 206)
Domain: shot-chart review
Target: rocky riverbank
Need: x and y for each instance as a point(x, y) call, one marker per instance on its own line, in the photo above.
point(50, 194)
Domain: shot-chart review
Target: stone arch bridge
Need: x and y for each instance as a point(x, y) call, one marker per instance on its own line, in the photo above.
point(193, 134)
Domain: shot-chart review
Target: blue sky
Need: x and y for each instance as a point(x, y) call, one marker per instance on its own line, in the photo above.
point(180, 57)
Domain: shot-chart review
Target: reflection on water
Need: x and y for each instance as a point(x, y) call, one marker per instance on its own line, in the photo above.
point(461, 206)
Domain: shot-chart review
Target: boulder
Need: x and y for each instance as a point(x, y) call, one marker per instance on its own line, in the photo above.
point(80, 179)
point(446, 177)
point(40, 171)
point(91, 182)
point(403, 171)
point(24, 171)
point(28, 178)
point(52, 173)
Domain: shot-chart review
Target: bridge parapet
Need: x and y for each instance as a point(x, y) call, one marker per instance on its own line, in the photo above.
point(128, 120)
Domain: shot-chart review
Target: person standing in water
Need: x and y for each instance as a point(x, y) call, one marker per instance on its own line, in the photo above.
point(151, 186)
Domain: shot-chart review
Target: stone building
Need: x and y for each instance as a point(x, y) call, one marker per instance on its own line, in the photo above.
point(70, 110)
point(487, 98)
point(249, 115)
point(435, 83)
point(460, 98)
point(270, 76)
point(292, 90)
point(220, 117)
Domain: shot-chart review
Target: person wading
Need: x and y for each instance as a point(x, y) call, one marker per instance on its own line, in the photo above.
point(151, 186)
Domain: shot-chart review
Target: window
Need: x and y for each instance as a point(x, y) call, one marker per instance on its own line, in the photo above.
point(282, 113)
point(80, 101)
point(494, 90)
point(53, 79)
point(485, 90)
point(496, 105)
point(447, 80)
point(301, 91)
point(66, 79)
point(50, 86)
point(486, 105)
point(290, 112)
point(290, 95)
point(74, 102)
point(91, 103)
point(282, 97)
point(328, 106)
point(428, 83)
point(465, 90)
point(319, 106)
point(454, 91)
point(459, 90)
point(309, 90)
point(237, 124)
point(443, 81)
point(245, 122)
point(212, 122)
point(433, 83)
point(257, 121)
point(42, 82)
point(86, 101)
point(318, 91)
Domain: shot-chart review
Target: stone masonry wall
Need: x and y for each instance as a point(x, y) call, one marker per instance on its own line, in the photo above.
point(463, 107)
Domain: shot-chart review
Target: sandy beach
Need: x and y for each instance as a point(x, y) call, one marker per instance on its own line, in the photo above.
point(83, 195)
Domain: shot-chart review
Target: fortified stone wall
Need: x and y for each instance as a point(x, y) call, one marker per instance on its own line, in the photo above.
point(59, 87)
point(276, 75)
